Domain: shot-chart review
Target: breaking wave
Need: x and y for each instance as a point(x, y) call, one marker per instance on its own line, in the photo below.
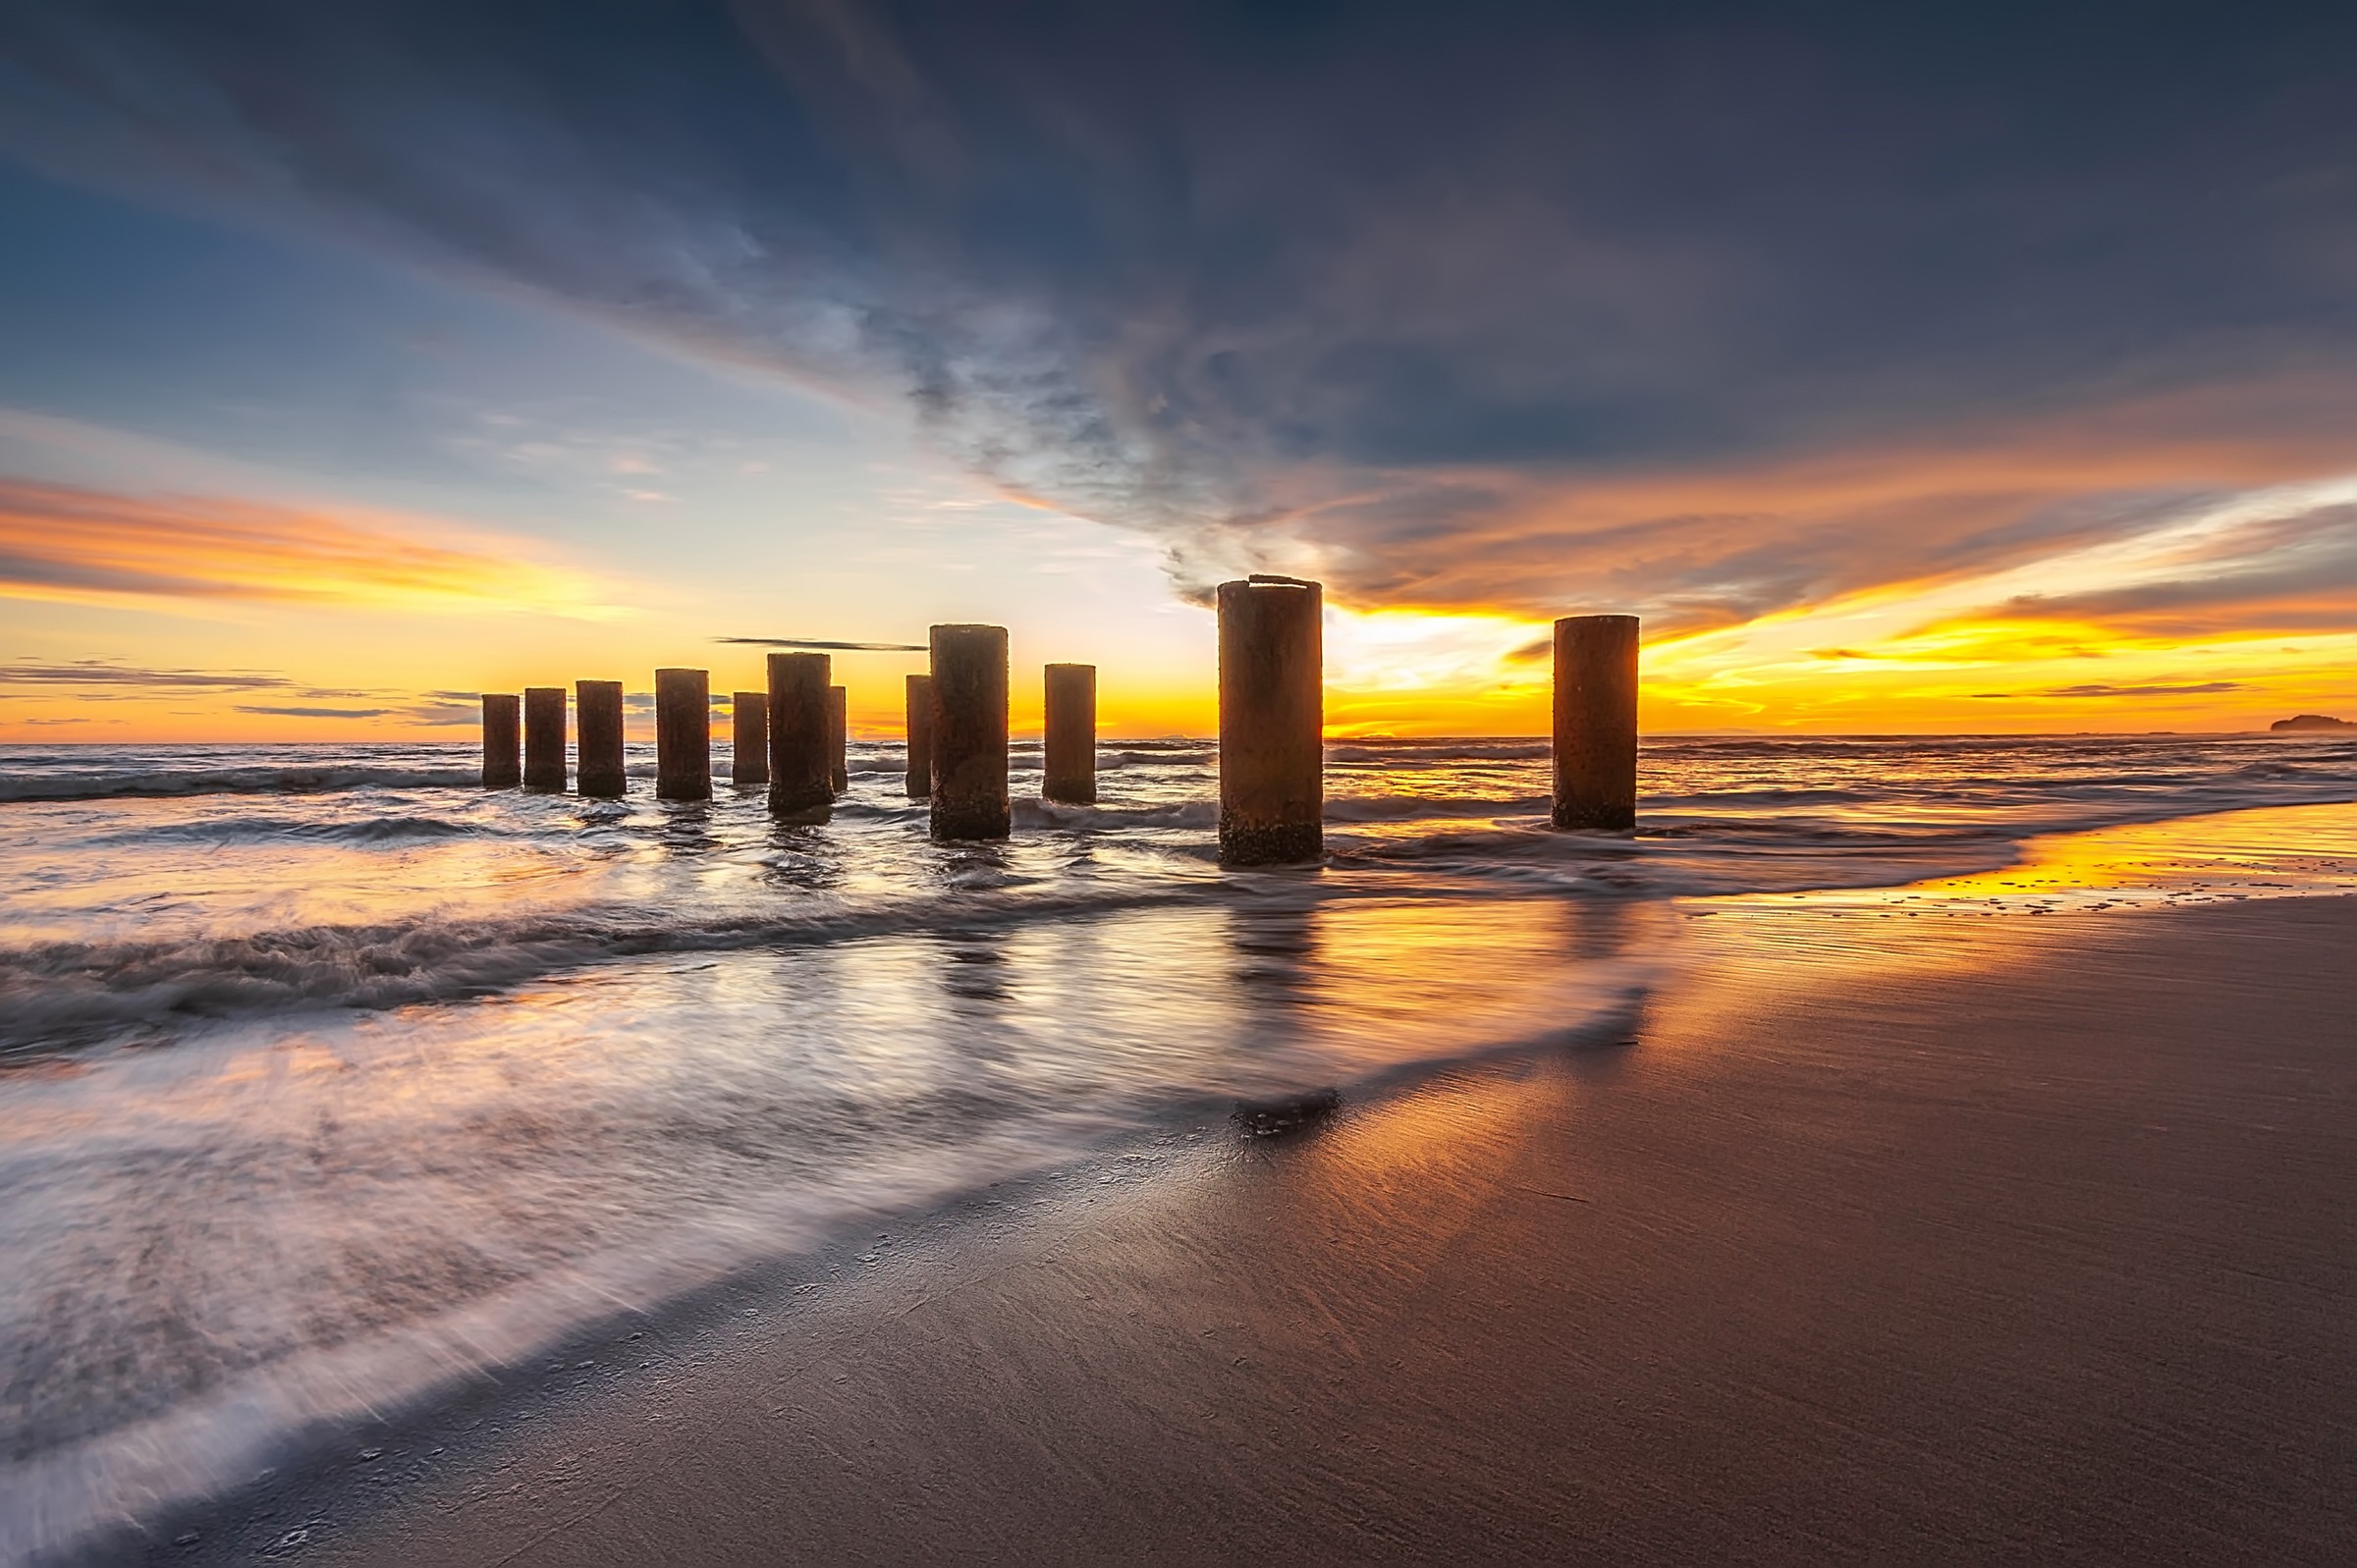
point(63, 993)
point(166, 782)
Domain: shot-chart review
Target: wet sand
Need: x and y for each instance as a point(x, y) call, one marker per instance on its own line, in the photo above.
point(1946, 1239)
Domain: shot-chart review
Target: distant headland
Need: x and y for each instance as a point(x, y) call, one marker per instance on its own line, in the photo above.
point(2313, 721)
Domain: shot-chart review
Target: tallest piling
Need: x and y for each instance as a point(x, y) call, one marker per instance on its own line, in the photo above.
point(1271, 714)
point(1596, 723)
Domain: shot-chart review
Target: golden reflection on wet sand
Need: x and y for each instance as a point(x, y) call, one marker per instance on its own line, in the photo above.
point(2267, 853)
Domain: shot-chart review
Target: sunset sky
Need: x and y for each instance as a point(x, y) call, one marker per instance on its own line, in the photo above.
point(1906, 369)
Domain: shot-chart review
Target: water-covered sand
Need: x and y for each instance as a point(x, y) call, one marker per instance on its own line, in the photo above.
point(332, 1121)
point(2020, 1241)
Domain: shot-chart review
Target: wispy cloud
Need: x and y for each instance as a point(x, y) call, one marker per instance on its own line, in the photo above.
point(316, 713)
point(65, 542)
point(821, 645)
point(107, 672)
point(2198, 688)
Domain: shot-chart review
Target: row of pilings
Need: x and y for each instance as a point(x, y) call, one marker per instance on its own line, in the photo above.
point(792, 738)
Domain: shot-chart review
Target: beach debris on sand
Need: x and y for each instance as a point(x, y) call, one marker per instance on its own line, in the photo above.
point(1269, 1118)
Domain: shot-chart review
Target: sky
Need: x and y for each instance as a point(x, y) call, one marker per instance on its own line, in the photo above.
point(1906, 368)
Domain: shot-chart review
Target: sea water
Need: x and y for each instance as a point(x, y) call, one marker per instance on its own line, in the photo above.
point(329, 1082)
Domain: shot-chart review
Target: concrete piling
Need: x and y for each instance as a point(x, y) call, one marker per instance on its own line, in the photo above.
point(597, 705)
point(800, 785)
point(839, 738)
point(970, 733)
point(921, 736)
point(749, 764)
point(503, 740)
point(1071, 741)
point(544, 738)
point(683, 735)
point(1596, 721)
point(1271, 714)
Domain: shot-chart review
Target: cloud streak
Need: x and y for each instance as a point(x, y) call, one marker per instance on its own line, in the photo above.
point(2199, 688)
point(823, 646)
point(316, 713)
point(68, 543)
point(107, 672)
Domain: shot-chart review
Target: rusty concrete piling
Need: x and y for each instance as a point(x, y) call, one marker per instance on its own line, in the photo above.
point(503, 740)
point(1596, 723)
point(598, 770)
point(839, 738)
point(748, 763)
point(1272, 712)
point(920, 777)
point(544, 738)
point(1071, 746)
point(801, 783)
point(683, 735)
point(970, 733)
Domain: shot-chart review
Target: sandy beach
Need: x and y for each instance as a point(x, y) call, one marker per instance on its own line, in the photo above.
point(1950, 1239)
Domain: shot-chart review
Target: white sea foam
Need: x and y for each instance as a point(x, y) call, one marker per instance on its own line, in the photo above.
point(105, 784)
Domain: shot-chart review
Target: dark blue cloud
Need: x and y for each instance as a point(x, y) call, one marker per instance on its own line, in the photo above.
point(1355, 286)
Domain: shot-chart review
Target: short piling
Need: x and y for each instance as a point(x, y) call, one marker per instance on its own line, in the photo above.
point(801, 788)
point(503, 740)
point(1271, 715)
point(839, 738)
point(749, 740)
point(1071, 741)
point(683, 735)
point(1596, 723)
point(544, 738)
point(970, 733)
point(597, 704)
point(920, 778)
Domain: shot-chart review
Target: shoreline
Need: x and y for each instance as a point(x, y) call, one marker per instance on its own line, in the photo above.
point(1465, 1222)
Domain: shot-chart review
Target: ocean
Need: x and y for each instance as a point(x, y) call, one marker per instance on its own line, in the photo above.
point(330, 1083)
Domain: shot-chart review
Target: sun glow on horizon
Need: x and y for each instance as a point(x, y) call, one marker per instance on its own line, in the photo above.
point(2097, 637)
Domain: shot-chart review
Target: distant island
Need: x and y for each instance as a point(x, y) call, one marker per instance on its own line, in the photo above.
point(2312, 721)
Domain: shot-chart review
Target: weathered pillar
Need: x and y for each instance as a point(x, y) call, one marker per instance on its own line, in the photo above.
point(799, 788)
point(597, 704)
point(839, 738)
point(1071, 742)
point(544, 738)
point(921, 736)
point(503, 740)
point(683, 735)
point(750, 744)
point(1272, 718)
point(970, 733)
point(1596, 721)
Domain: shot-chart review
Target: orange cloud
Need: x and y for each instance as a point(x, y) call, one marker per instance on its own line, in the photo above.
point(1697, 547)
point(62, 542)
